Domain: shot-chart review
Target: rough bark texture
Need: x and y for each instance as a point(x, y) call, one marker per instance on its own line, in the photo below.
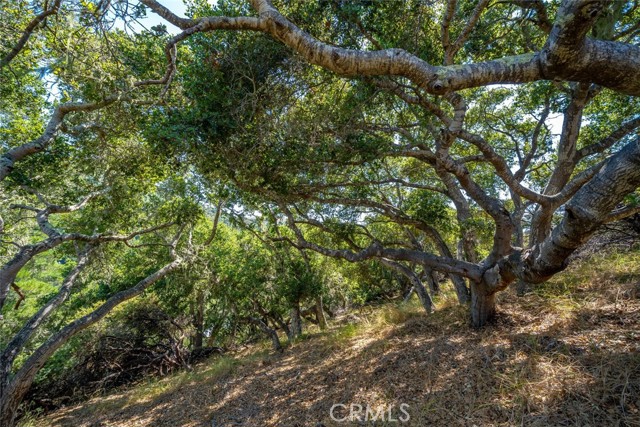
point(568, 55)
point(296, 321)
point(483, 304)
point(585, 212)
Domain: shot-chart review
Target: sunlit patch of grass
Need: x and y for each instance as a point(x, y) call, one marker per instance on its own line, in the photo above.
point(585, 283)
point(595, 271)
point(345, 333)
point(396, 314)
point(446, 297)
point(218, 368)
point(152, 388)
point(30, 418)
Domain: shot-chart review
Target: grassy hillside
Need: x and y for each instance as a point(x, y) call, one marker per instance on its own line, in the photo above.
point(567, 355)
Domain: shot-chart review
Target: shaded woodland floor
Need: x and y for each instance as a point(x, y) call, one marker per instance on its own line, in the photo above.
point(567, 355)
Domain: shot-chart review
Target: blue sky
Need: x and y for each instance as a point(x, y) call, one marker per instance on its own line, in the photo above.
point(176, 6)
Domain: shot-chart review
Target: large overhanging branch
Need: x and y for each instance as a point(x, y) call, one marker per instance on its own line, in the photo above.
point(570, 55)
point(622, 213)
point(609, 64)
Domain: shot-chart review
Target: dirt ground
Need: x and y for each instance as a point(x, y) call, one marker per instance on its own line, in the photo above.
point(568, 355)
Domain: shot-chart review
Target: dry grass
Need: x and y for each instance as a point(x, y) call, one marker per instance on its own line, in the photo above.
point(567, 355)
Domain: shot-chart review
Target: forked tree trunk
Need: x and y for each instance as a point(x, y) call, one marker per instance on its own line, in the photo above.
point(282, 325)
point(413, 278)
point(483, 305)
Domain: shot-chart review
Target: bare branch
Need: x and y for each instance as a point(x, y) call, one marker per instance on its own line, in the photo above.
point(21, 296)
point(16, 154)
point(216, 219)
point(446, 24)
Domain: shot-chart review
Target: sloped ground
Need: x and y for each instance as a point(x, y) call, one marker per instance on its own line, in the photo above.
point(568, 355)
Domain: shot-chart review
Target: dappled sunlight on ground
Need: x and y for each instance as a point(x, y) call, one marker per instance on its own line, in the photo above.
point(565, 355)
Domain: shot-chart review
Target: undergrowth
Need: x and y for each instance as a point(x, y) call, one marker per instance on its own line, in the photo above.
point(566, 354)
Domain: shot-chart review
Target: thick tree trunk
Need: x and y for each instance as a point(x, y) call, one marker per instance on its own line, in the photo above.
point(9, 402)
point(483, 305)
point(296, 321)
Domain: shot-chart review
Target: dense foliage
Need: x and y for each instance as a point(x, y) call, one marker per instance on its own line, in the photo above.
point(268, 165)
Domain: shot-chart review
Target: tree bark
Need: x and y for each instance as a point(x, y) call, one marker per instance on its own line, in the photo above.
point(417, 287)
point(198, 320)
point(322, 321)
point(585, 213)
point(296, 321)
point(483, 304)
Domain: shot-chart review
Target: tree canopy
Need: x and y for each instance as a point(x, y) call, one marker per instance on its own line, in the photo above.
point(272, 154)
